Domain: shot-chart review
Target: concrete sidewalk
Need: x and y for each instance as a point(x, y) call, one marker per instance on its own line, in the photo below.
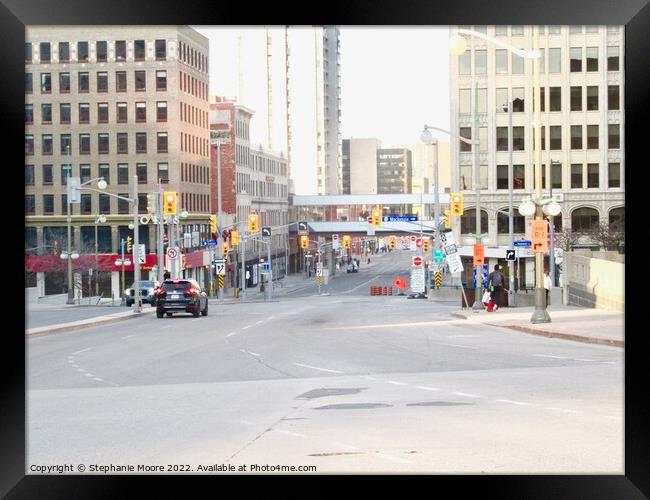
point(594, 326)
point(87, 322)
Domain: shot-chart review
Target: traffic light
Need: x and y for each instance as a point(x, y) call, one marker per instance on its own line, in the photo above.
point(234, 238)
point(457, 203)
point(304, 241)
point(376, 216)
point(152, 203)
point(224, 247)
point(253, 223)
point(213, 224)
point(169, 203)
point(447, 220)
point(129, 244)
point(392, 242)
point(425, 244)
point(346, 241)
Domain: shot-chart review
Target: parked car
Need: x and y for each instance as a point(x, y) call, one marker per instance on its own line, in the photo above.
point(181, 295)
point(147, 293)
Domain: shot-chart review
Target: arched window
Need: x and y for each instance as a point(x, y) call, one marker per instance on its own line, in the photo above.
point(584, 219)
point(617, 219)
point(468, 222)
point(518, 223)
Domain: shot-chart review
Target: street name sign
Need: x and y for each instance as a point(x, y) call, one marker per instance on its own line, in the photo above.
point(399, 218)
point(522, 243)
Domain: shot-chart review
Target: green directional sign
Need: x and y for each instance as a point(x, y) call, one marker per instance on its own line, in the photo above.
point(438, 258)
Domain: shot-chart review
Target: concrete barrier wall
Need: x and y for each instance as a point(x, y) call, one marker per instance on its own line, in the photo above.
point(596, 282)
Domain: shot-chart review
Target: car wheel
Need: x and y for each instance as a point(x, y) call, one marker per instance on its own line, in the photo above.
point(129, 303)
point(196, 310)
point(159, 313)
point(169, 315)
point(205, 311)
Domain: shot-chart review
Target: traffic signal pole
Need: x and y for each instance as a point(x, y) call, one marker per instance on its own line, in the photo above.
point(136, 248)
point(161, 230)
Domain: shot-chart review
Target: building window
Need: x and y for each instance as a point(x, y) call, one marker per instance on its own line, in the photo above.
point(480, 62)
point(48, 204)
point(465, 101)
point(142, 204)
point(64, 113)
point(140, 112)
point(503, 223)
point(64, 83)
point(66, 171)
point(140, 142)
point(614, 137)
point(555, 98)
point(501, 30)
point(468, 221)
point(612, 58)
point(517, 64)
point(483, 139)
point(576, 176)
point(102, 51)
point(122, 173)
point(120, 50)
point(66, 144)
point(140, 81)
point(584, 220)
point(161, 80)
point(103, 143)
point(556, 175)
point(161, 111)
point(613, 98)
point(120, 81)
point(47, 175)
point(84, 144)
point(501, 60)
point(84, 112)
point(122, 113)
point(105, 172)
point(46, 113)
point(104, 204)
point(576, 59)
point(592, 98)
point(28, 53)
point(592, 58)
point(30, 204)
point(84, 81)
point(122, 205)
point(47, 144)
point(29, 114)
point(592, 136)
point(502, 138)
point(141, 172)
point(161, 50)
point(518, 177)
point(575, 29)
point(45, 52)
point(518, 138)
point(163, 172)
point(102, 112)
point(576, 136)
point(592, 175)
point(501, 100)
point(517, 31)
point(102, 81)
point(138, 50)
point(614, 175)
point(576, 98)
point(84, 171)
point(29, 175)
point(465, 132)
point(464, 63)
point(518, 100)
point(122, 143)
point(556, 137)
point(482, 100)
point(554, 60)
point(29, 144)
point(162, 142)
point(46, 83)
point(29, 83)
point(82, 51)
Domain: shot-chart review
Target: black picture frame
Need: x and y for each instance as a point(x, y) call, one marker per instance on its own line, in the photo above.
point(634, 14)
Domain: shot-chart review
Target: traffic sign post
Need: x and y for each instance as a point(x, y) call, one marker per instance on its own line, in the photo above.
point(417, 261)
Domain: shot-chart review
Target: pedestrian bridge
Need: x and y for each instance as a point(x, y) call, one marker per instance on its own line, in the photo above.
point(358, 228)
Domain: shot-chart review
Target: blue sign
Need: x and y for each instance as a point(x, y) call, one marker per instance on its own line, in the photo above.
point(210, 243)
point(399, 218)
point(266, 266)
point(485, 276)
point(522, 243)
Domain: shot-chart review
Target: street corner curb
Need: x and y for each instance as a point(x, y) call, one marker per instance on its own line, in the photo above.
point(458, 315)
point(565, 336)
point(77, 325)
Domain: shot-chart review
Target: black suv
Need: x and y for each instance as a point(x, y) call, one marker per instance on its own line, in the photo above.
point(147, 293)
point(181, 295)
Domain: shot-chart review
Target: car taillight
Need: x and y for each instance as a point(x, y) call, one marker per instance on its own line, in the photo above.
point(160, 292)
point(189, 292)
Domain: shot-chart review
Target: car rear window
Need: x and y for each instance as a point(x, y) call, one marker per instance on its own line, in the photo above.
point(176, 287)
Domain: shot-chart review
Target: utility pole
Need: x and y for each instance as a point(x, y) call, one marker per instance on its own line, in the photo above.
point(161, 230)
point(479, 269)
point(511, 263)
point(136, 248)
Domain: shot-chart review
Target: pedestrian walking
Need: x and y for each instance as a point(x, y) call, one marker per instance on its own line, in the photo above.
point(547, 284)
point(495, 284)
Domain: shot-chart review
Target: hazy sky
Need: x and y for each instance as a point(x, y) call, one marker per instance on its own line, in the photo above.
point(393, 79)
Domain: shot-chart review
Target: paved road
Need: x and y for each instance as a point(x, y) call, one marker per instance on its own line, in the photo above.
point(345, 382)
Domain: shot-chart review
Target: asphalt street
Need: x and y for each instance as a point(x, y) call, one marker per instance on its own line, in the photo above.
point(341, 381)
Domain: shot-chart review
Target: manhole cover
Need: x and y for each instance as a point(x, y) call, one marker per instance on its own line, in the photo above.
point(438, 403)
point(330, 391)
point(353, 406)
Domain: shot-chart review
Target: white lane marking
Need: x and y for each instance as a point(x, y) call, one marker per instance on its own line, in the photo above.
point(427, 388)
point(83, 350)
point(80, 370)
point(88, 374)
point(571, 411)
point(259, 322)
point(246, 327)
point(129, 336)
point(457, 345)
point(466, 395)
point(549, 356)
point(231, 334)
point(316, 368)
point(70, 357)
point(289, 433)
point(271, 317)
point(582, 359)
point(362, 284)
point(249, 352)
point(368, 377)
point(395, 383)
point(98, 379)
point(167, 326)
point(75, 365)
point(513, 402)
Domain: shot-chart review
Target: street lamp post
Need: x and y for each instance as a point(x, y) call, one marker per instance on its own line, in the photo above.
point(100, 219)
point(511, 274)
point(70, 299)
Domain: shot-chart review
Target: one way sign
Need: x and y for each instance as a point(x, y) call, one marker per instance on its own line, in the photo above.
point(510, 255)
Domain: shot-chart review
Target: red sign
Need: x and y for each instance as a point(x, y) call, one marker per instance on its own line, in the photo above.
point(418, 242)
point(412, 238)
point(335, 237)
point(417, 261)
point(539, 235)
point(479, 255)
